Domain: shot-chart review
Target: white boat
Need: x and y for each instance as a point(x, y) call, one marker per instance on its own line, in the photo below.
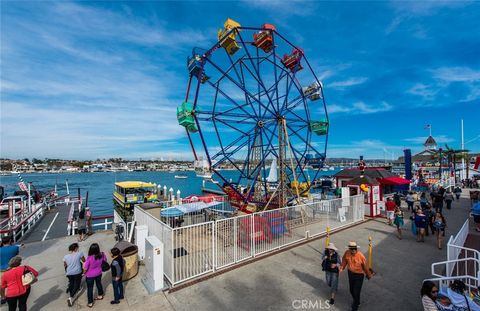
point(202, 169)
point(181, 176)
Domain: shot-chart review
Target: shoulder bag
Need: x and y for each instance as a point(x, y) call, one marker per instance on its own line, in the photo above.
point(28, 278)
point(105, 264)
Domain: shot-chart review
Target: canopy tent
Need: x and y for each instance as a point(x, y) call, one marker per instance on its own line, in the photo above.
point(394, 181)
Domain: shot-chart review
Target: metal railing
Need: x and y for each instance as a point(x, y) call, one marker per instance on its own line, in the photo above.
point(457, 250)
point(18, 231)
point(198, 249)
point(462, 267)
point(443, 282)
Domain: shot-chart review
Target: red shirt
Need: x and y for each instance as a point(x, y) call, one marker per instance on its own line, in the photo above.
point(12, 281)
point(390, 205)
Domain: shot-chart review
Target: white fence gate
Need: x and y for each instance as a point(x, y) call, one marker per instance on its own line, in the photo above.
point(198, 249)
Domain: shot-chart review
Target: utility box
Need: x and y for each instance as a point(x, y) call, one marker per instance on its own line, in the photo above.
point(153, 277)
point(141, 233)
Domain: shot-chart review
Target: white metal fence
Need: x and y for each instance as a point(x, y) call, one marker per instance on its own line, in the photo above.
point(198, 249)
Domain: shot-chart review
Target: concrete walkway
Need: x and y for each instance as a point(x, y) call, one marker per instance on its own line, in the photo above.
point(279, 282)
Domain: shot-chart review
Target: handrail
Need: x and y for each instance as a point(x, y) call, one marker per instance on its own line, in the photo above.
point(39, 209)
point(472, 283)
point(446, 262)
point(476, 252)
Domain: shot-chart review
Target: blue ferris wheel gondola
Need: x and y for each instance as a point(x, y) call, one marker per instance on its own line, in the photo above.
point(258, 109)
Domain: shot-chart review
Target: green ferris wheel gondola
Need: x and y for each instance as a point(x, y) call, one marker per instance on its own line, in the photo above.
point(319, 127)
point(185, 117)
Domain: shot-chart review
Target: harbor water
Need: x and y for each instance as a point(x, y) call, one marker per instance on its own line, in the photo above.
point(100, 185)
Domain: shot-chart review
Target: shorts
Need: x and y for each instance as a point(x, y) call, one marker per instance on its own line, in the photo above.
point(82, 231)
point(332, 281)
point(390, 215)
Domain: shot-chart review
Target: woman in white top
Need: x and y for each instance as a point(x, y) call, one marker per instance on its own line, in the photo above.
point(429, 294)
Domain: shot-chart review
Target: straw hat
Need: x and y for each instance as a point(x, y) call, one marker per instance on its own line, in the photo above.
point(353, 244)
point(332, 246)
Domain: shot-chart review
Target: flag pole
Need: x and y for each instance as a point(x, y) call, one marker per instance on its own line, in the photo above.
point(463, 155)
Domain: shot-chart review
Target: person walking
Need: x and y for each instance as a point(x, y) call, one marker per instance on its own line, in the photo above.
point(429, 294)
point(73, 270)
point(438, 202)
point(398, 221)
point(420, 223)
point(89, 219)
point(93, 272)
point(331, 264)
point(439, 224)
point(390, 207)
point(448, 199)
point(82, 225)
point(410, 200)
point(357, 270)
point(458, 192)
point(430, 214)
point(13, 287)
point(117, 267)
point(7, 252)
point(423, 200)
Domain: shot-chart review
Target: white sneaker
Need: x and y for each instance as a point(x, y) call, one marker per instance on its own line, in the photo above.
point(70, 302)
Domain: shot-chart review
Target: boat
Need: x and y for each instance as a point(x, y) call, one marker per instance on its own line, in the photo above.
point(181, 176)
point(129, 193)
point(202, 169)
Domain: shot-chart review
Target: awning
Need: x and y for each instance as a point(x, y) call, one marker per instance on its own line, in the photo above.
point(394, 181)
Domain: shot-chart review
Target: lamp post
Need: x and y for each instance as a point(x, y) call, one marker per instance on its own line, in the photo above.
point(440, 167)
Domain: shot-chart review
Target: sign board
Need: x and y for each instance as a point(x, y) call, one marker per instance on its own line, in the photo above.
point(381, 205)
point(345, 196)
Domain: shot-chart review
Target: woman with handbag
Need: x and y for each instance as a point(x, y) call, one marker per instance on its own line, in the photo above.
point(16, 283)
point(93, 268)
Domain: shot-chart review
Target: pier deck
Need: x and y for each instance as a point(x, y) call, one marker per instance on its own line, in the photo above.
point(272, 283)
point(53, 225)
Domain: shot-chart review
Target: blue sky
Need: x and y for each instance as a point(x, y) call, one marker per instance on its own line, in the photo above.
point(86, 80)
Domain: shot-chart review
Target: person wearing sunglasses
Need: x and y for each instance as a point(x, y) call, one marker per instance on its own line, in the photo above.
point(429, 294)
point(357, 270)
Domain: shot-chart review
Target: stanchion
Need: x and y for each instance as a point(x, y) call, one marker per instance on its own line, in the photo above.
point(370, 249)
point(327, 240)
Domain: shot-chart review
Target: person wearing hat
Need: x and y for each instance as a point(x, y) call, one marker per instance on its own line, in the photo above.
point(12, 286)
point(331, 264)
point(357, 270)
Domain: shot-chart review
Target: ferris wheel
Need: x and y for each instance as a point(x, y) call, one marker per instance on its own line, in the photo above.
point(255, 116)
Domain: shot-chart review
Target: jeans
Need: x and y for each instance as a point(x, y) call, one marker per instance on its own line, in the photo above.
point(332, 281)
point(117, 289)
point(98, 281)
point(355, 280)
point(20, 300)
point(449, 204)
point(410, 205)
point(74, 282)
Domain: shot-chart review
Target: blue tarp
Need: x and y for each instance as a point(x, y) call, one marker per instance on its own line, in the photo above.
point(171, 212)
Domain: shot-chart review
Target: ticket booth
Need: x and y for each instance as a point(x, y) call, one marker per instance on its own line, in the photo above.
point(370, 188)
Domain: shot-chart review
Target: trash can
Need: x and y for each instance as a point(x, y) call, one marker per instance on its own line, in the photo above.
point(129, 253)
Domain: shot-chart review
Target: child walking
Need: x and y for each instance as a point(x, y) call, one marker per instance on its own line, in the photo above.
point(117, 268)
point(398, 221)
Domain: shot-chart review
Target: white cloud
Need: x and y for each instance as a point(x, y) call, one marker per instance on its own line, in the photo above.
point(359, 108)
point(424, 91)
point(348, 82)
point(456, 74)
